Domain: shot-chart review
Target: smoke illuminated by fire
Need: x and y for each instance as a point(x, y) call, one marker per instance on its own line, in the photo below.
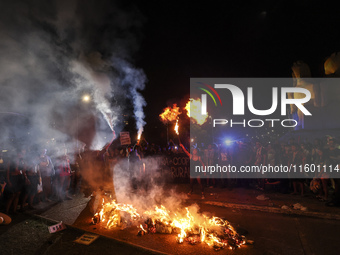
point(193, 108)
point(170, 114)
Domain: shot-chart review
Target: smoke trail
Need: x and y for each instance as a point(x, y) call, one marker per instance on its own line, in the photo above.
point(52, 53)
point(100, 85)
point(134, 80)
point(150, 189)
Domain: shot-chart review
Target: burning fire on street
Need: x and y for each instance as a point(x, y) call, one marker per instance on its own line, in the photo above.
point(187, 225)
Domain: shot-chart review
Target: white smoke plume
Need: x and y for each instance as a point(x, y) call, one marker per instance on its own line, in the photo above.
point(53, 52)
point(100, 85)
point(134, 79)
point(145, 190)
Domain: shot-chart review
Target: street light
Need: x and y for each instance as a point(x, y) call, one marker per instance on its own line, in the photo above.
point(228, 142)
point(86, 98)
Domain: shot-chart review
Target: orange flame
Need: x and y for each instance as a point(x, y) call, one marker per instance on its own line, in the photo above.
point(110, 213)
point(193, 108)
point(141, 227)
point(170, 114)
point(185, 222)
point(139, 133)
point(176, 127)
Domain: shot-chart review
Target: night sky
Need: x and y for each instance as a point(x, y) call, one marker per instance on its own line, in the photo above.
point(229, 39)
point(53, 52)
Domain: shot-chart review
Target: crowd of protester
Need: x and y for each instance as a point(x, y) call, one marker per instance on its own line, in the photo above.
point(325, 154)
point(30, 177)
point(322, 152)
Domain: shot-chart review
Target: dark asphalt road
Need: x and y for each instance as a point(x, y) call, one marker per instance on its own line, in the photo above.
point(29, 235)
point(284, 234)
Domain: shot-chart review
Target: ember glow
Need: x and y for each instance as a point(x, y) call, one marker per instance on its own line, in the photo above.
point(193, 108)
point(170, 114)
point(187, 224)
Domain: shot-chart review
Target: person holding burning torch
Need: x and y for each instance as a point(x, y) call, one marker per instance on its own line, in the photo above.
point(195, 160)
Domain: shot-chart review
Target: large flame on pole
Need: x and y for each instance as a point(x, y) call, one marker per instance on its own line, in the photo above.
point(193, 108)
point(170, 114)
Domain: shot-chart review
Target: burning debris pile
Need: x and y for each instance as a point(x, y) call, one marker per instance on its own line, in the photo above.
point(187, 224)
point(111, 213)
